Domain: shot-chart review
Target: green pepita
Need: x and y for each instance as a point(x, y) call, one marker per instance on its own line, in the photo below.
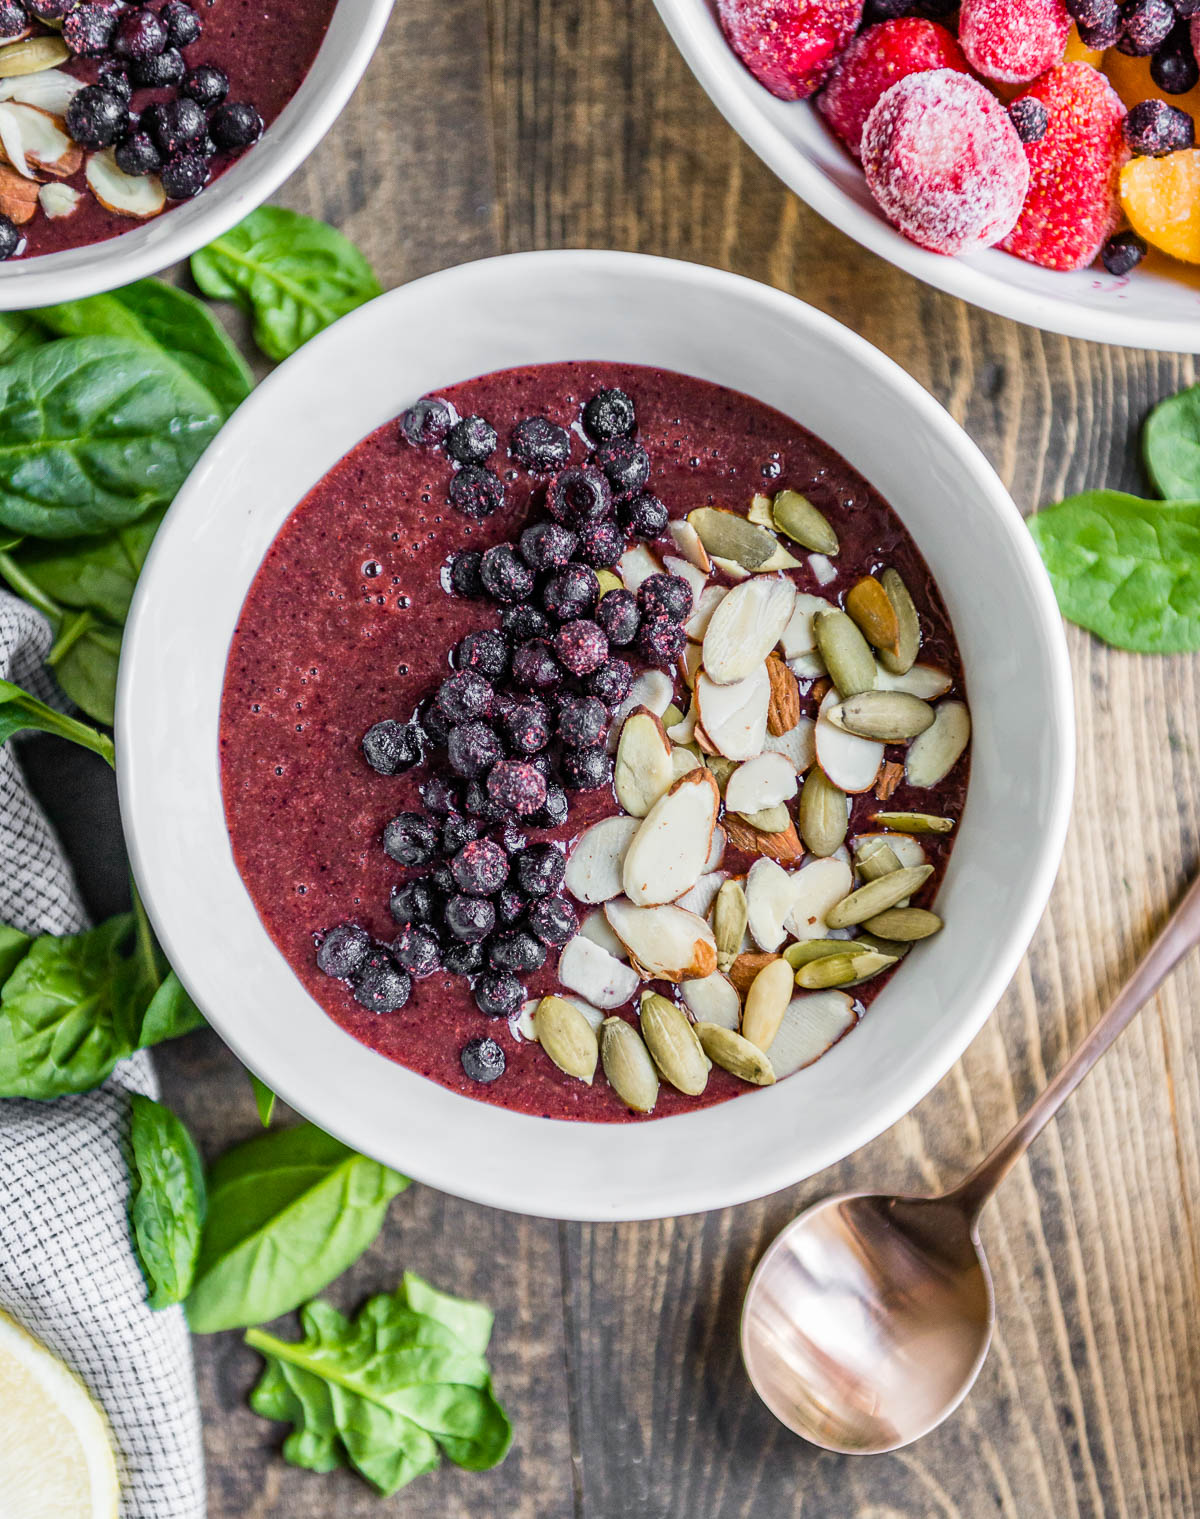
point(877, 896)
point(730, 915)
point(567, 1037)
point(846, 653)
point(914, 822)
point(768, 819)
point(803, 951)
point(32, 56)
point(673, 1045)
point(843, 970)
point(874, 859)
point(628, 1066)
point(888, 717)
point(822, 816)
point(735, 1054)
point(905, 924)
point(727, 536)
point(931, 757)
point(902, 659)
point(796, 516)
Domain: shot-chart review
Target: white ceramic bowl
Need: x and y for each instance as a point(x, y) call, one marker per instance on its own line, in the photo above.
point(1145, 310)
point(533, 308)
point(147, 247)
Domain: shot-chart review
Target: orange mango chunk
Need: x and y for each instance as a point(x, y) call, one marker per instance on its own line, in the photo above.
point(1161, 198)
point(1077, 53)
point(1130, 77)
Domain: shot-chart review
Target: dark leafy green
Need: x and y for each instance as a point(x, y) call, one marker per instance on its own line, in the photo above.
point(167, 1201)
point(384, 1392)
point(19, 331)
point(13, 944)
point(170, 1013)
point(288, 1212)
point(1127, 570)
point(264, 1099)
point(1171, 446)
point(294, 275)
point(19, 711)
point(94, 432)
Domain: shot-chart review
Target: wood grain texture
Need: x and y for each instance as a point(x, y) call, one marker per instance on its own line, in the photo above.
point(487, 126)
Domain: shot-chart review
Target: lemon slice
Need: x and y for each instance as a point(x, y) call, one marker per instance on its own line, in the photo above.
point(56, 1453)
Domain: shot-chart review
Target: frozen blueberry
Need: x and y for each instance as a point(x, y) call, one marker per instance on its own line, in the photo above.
point(50, 10)
point(526, 725)
point(579, 495)
point(482, 1060)
point(234, 125)
point(88, 30)
point(425, 423)
point(413, 902)
point(182, 23)
point(159, 70)
point(113, 77)
point(1173, 69)
point(14, 18)
point(344, 950)
point(208, 86)
point(660, 640)
point(465, 579)
point(457, 831)
point(485, 652)
point(476, 492)
point(138, 154)
point(517, 951)
point(1146, 25)
point(611, 682)
point(440, 795)
point(465, 696)
point(1153, 129)
point(390, 747)
point(471, 440)
point(184, 176)
point(480, 805)
point(572, 593)
point(540, 870)
point(470, 919)
point(643, 517)
point(523, 622)
point(462, 959)
point(1122, 252)
point(609, 414)
point(1030, 117)
point(381, 986)
point(553, 811)
point(1091, 12)
point(11, 237)
point(480, 867)
point(472, 748)
point(506, 576)
point(582, 722)
point(553, 920)
point(410, 839)
point(618, 615)
point(539, 444)
point(176, 125)
point(1100, 38)
point(585, 769)
point(96, 117)
point(665, 596)
point(534, 666)
point(441, 881)
point(625, 463)
point(498, 993)
point(516, 786)
point(601, 543)
point(138, 34)
point(581, 646)
point(510, 906)
point(416, 951)
point(547, 545)
point(435, 723)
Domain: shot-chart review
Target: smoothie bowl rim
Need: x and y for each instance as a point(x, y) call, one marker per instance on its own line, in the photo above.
point(168, 766)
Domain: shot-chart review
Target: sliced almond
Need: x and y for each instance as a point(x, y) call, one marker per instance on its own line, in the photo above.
point(712, 999)
point(687, 541)
point(58, 200)
point(931, 757)
point(784, 846)
point(653, 689)
point(823, 568)
point(628, 1066)
point(770, 891)
point(521, 1025)
point(925, 681)
point(798, 636)
point(759, 783)
point(665, 942)
point(666, 855)
point(759, 511)
point(783, 712)
point(689, 663)
point(747, 965)
point(709, 599)
point(807, 668)
point(595, 927)
point(731, 568)
point(850, 762)
point(595, 862)
point(684, 759)
point(34, 142)
point(909, 852)
point(716, 851)
point(812, 1024)
point(637, 564)
point(567, 1037)
point(734, 717)
point(644, 769)
point(140, 196)
point(734, 1054)
point(746, 627)
point(890, 775)
point(595, 974)
point(728, 536)
point(18, 196)
point(699, 899)
point(797, 745)
point(766, 1002)
point(49, 89)
point(683, 570)
point(673, 1044)
point(816, 889)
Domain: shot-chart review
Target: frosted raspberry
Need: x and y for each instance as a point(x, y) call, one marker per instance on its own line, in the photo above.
point(789, 45)
point(874, 61)
point(1072, 203)
point(944, 161)
point(1013, 40)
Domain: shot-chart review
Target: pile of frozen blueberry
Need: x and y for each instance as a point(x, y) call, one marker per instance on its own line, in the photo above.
point(523, 718)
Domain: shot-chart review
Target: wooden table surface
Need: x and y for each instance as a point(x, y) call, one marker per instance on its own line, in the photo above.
point(486, 128)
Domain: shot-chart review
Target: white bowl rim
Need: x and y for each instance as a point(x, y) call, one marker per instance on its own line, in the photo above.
point(707, 55)
point(71, 274)
point(339, 1117)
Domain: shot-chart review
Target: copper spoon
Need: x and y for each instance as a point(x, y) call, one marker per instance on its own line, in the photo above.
point(869, 1317)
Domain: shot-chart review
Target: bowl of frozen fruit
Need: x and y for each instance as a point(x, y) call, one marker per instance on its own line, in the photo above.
point(595, 734)
point(130, 135)
point(1035, 157)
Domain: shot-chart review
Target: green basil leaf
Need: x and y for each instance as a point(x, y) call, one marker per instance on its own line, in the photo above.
point(162, 316)
point(19, 711)
point(1127, 570)
point(293, 274)
point(289, 1211)
point(171, 1013)
point(93, 433)
point(264, 1099)
point(167, 1202)
point(1171, 446)
point(13, 944)
point(87, 671)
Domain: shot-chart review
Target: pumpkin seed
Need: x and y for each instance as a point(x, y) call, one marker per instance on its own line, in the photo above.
point(735, 1054)
point(567, 1037)
point(868, 603)
point(722, 768)
point(766, 1002)
point(671, 716)
point(768, 819)
point(892, 947)
point(727, 536)
point(628, 1065)
point(902, 659)
point(796, 516)
point(846, 653)
point(877, 896)
point(875, 859)
point(914, 822)
point(608, 582)
point(905, 923)
point(760, 511)
point(843, 970)
point(805, 950)
point(32, 56)
point(673, 1045)
point(931, 757)
point(822, 815)
point(888, 717)
point(730, 915)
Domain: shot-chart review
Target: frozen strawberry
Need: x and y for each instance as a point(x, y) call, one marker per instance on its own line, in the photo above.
point(874, 61)
point(1073, 170)
point(1013, 40)
point(944, 161)
point(789, 45)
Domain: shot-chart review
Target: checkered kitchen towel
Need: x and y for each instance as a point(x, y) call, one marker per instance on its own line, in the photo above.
point(67, 1271)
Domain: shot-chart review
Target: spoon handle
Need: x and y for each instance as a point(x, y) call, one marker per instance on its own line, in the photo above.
point(1180, 934)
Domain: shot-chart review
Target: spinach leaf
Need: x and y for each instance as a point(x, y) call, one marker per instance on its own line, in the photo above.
point(171, 1012)
point(19, 711)
point(93, 433)
point(293, 274)
point(85, 661)
point(167, 1203)
point(471, 1322)
point(289, 1211)
point(13, 944)
point(19, 331)
point(1127, 570)
point(385, 1391)
point(1171, 446)
point(180, 327)
point(264, 1099)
